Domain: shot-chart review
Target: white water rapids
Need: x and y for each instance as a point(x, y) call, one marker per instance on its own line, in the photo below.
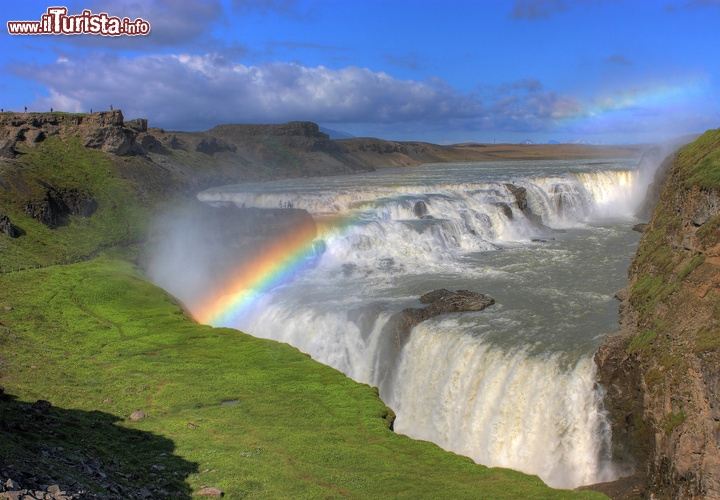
point(511, 386)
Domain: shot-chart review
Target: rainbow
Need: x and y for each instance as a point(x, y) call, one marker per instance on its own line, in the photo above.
point(623, 105)
point(278, 262)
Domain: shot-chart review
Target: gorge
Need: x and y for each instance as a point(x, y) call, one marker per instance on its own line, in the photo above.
point(535, 236)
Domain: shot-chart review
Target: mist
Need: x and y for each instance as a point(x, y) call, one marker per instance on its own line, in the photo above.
point(195, 251)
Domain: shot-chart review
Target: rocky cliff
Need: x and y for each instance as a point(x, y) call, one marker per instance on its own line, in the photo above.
point(102, 130)
point(661, 372)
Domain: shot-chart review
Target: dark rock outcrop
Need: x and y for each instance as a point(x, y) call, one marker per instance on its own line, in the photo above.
point(57, 204)
point(299, 136)
point(212, 145)
point(520, 194)
point(102, 130)
point(439, 301)
point(107, 131)
point(505, 209)
point(6, 226)
point(262, 152)
point(420, 209)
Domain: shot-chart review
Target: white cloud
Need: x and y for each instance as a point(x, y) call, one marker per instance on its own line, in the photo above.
point(173, 23)
point(197, 92)
point(193, 91)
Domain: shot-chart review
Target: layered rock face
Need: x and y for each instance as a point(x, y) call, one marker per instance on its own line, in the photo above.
point(104, 130)
point(661, 372)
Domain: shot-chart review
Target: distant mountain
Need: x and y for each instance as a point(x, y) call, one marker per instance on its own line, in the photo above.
point(336, 134)
point(586, 142)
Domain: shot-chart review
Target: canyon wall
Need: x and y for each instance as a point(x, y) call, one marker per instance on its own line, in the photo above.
point(660, 373)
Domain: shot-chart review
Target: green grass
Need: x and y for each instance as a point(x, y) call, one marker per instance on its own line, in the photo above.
point(642, 341)
point(699, 163)
point(708, 339)
point(649, 291)
point(653, 378)
point(95, 338)
point(709, 233)
point(288, 158)
point(693, 264)
point(674, 420)
point(195, 161)
point(120, 218)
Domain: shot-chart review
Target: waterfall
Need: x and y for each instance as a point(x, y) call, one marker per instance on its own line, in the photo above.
point(531, 413)
point(511, 386)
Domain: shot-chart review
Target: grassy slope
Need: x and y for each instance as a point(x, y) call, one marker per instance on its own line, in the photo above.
point(98, 341)
point(120, 217)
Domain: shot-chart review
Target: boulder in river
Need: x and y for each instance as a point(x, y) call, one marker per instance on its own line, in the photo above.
point(439, 301)
point(420, 209)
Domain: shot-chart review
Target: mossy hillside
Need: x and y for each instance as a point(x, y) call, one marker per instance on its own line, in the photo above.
point(699, 163)
point(677, 313)
point(121, 216)
point(97, 337)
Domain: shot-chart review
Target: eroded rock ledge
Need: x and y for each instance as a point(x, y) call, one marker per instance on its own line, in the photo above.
point(439, 301)
point(105, 130)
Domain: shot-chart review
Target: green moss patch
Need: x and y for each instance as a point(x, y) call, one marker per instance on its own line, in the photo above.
point(708, 339)
point(691, 265)
point(673, 420)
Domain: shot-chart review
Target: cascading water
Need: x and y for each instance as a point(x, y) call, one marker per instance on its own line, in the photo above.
point(509, 386)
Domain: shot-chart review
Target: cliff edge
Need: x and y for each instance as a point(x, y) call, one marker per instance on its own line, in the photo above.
point(660, 373)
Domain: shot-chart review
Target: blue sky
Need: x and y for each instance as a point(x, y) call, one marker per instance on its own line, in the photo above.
point(565, 70)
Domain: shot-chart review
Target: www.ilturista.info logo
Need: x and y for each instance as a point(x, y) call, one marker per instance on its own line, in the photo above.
point(57, 22)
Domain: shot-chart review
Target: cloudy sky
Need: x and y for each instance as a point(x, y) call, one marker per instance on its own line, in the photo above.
point(453, 71)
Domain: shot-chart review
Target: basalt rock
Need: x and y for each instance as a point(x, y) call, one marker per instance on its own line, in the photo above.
point(103, 130)
point(439, 302)
point(212, 145)
point(297, 136)
point(520, 194)
point(505, 209)
point(57, 205)
point(420, 209)
point(6, 226)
